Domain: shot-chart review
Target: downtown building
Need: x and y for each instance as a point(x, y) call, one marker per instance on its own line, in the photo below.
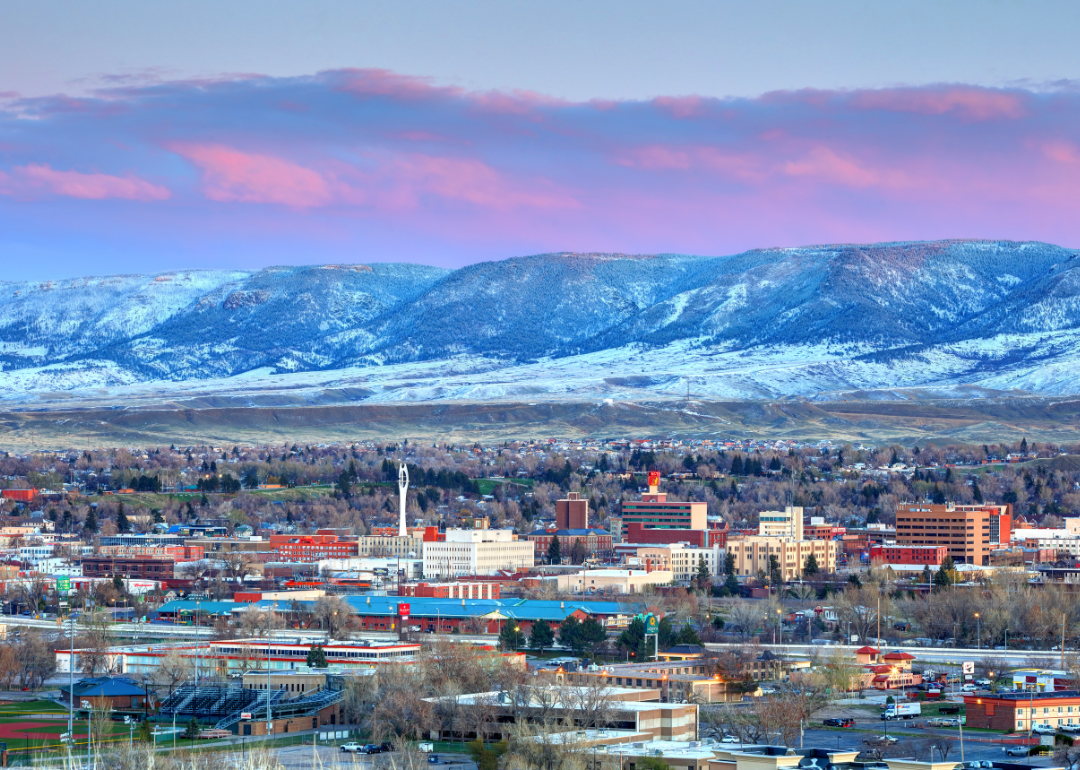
point(970, 532)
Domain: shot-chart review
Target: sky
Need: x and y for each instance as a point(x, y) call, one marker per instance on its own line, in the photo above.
point(146, 137)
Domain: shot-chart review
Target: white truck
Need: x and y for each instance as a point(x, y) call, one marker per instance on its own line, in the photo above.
point(902, 711)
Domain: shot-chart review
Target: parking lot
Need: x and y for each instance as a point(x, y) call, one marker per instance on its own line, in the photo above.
point(298, 757)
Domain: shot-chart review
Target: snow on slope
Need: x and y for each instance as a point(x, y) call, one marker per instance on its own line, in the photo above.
point(765, 324)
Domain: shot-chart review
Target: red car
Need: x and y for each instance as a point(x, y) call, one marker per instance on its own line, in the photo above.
point(846, 722)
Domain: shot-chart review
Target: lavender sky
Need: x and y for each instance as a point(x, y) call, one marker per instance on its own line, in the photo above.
point(449, 133)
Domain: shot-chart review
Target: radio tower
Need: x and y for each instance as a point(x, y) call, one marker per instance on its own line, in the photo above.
point(403, 490)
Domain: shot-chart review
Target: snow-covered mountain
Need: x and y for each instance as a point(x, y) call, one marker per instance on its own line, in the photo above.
point(767, 323)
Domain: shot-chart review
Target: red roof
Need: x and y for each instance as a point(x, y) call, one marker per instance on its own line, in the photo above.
point(866, 651)
point(881, 678)
point(880, 669)
point(899, 656)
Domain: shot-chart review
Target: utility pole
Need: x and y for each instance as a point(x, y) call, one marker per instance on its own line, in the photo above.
point(1063, 641)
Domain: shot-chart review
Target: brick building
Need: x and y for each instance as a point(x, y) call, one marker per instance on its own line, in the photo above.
point(309, 548)
point(140, 567)
point(597, 542)
point(655, 511)
point(1015, 711)
point(636, 532)
point(917, 555)
point(970, 532)
point(752, 555)
point(572, 513)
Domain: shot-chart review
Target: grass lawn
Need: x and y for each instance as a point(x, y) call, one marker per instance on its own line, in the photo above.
point(32, 707)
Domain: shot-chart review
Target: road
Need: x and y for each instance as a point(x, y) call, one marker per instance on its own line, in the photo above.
point(946, 655)
point(306, 757)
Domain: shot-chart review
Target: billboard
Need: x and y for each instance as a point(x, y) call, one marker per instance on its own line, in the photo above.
point(403, 610)
point(968, 666)
point(654, 478)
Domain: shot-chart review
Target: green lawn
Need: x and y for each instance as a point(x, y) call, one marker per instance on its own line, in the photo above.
point(32, 707)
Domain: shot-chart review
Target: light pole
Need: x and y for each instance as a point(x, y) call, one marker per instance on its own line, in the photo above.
point(195, 702)
point(89, 731)
point(978, 632)
point(269, 636)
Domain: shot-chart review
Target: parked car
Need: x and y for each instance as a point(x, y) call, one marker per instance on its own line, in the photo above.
point(351, 747)
point(983, 682)
point(836, 722)
point(729, 739)
point(372, 748)
point(890, 739)
point(1043, 730)
point(968, 688)
point(1016, 751)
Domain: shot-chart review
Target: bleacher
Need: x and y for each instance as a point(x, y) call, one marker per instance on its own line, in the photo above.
point(224, 704)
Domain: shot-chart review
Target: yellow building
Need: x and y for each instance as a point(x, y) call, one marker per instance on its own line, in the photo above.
point(752, 554)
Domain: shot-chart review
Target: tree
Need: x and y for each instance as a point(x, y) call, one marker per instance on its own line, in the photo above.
point(811, 566)
point(542, 636)
point(554, 551)
point(703, 576)
point(510, 636)
point(122, 523)
point(945, 576)
point(731, 583)
point(578, 552)
point(316, 657)
point(776, 579)
point(251, 479)
point(193, 729)
point(687, 635)
point(90, 523)
point(729, 563)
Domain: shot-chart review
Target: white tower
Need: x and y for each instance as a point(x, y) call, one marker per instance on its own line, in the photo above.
point(403, 491)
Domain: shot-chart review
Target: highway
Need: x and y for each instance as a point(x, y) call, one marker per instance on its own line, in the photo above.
point(946, 655)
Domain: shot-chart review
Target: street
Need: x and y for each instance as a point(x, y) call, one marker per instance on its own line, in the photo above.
point(304, 757)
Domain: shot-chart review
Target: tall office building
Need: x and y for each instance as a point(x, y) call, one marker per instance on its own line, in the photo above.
point(572, 513)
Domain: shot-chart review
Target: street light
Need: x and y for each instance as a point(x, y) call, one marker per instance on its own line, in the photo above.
point(978, 632)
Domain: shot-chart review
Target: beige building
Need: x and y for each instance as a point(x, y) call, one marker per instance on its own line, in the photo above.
point(476, 552)
point(620, 581)
point(752, 554)
point(786, 523)
point(385, 545)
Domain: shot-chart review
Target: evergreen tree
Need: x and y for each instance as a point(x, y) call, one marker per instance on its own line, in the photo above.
point(732, 585)
point(854, 580)
point(90, 525)
point(945, 573)
point(811, 566)
point(939, 496)
point(510, 636)
point(590, 635)
point(193, 729)
point(344, 485)
point(976, 493)
point(122, 523)
point(729, 563)
point(703, 576)
point(316, 657)
point(927, 575)
point(542, 636)
point(776, 579)
point(1023, 445)
point(687, 635)
point(736, 466)
point(554, 551)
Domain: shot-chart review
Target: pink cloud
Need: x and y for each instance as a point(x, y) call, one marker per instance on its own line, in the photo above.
point(971, 103)
point(231, 175)
point(470, 181)
point(41, 178)
point(825, 164)
point(1062, 152)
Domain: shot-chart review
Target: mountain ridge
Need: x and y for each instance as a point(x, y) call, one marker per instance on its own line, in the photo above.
point(777, 322)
